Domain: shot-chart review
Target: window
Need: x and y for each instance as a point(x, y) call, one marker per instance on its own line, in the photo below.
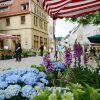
point(35, 8)
point(22, 19)
point(41, 23)
point(42, 15)
point(41, 40)
point(35, 21)
point(37, 11)
point(7, 21)
point(4, 9)
point(45, 26)
point(24, 7)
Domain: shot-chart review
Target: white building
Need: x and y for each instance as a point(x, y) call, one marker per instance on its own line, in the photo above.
point(73, 35)
point(82, 32)
point(25, 19)
point(87, 31)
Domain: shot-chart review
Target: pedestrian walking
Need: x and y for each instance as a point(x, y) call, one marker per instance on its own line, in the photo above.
point(18, 51)
point(41, 49)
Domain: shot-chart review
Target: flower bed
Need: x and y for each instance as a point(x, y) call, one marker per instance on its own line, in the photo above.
point(21, 83)
point(6, 54)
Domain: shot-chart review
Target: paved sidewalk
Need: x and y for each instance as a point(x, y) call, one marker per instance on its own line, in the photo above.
point(25, 63)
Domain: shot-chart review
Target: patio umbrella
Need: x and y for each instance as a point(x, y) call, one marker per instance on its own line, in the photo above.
point(94, 39)
point(69, 8)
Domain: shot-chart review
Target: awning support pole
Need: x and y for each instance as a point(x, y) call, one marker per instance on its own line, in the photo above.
point(54, 38)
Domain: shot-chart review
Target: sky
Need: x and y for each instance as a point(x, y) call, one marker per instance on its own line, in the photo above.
point(63, 27)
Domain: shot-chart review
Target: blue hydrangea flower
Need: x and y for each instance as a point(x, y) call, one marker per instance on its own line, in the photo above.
point(33, 70)
point(19, 72)
point(42, 74)
point(3, 84)
point(61, 65)
point(41, 85)
point(12, 90)
point(2, 94)
point(29, 78)
point(43, 80)
point(13, 79)
point(58, 65)
point(8, 73)
point(2, 76)
point(28, 91)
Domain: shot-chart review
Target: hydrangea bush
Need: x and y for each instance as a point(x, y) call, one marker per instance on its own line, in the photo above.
point(21, 81)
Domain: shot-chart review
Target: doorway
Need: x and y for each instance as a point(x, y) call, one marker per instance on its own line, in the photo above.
point(1, 44)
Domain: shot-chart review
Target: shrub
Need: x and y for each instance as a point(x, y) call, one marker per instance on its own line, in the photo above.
point(85, 75)
point(20, 83)
point(24, 53)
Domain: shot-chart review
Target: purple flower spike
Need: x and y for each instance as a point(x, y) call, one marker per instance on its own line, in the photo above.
point(47, 62)
point(67, 56)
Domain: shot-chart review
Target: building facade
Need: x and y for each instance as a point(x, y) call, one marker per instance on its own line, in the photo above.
point(51, 29)
point(81, 33)
point(25, 19)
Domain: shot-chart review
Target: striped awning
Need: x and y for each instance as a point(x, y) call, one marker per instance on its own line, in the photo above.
point(69, 8)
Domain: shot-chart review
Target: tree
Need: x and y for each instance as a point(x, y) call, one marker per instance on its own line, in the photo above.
point(93, 18)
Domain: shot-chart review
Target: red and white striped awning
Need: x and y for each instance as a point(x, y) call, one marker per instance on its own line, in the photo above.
point(69, 8)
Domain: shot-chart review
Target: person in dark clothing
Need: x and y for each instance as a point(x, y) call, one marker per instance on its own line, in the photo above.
point(18, 51)
point(94, 51)
point(41, 49)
